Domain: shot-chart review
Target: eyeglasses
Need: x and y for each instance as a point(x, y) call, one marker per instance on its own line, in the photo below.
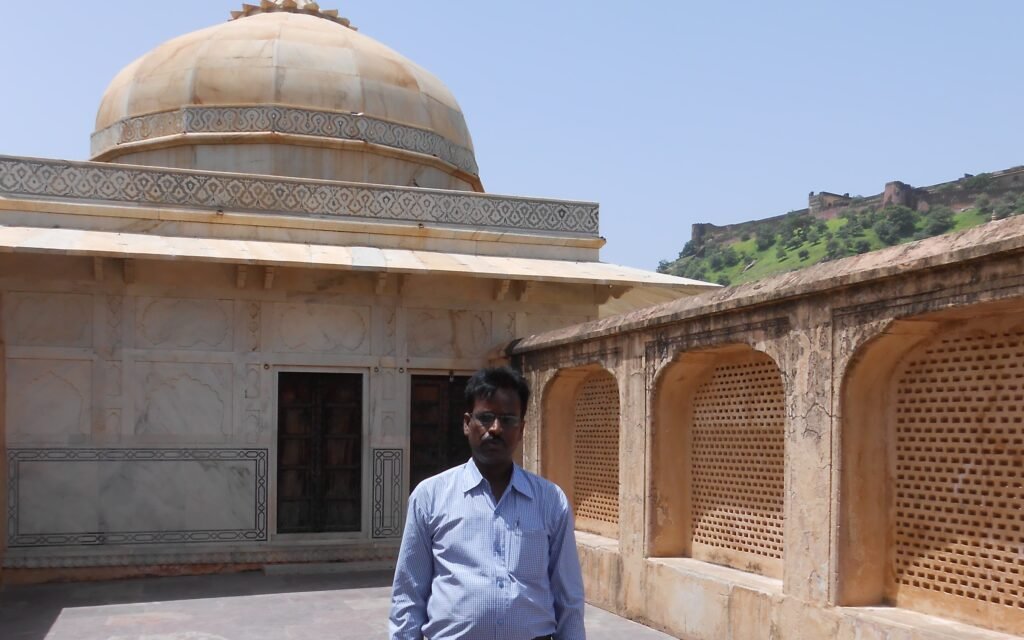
point(486, 419)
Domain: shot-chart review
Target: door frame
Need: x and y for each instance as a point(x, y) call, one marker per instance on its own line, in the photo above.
point(412, 372)
point(366, 475)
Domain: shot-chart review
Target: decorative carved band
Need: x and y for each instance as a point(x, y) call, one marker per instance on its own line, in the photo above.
point(276, 119)
point(257, 533)
point(173, 187)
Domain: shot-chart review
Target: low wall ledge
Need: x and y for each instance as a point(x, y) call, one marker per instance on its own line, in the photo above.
point(1002, 237)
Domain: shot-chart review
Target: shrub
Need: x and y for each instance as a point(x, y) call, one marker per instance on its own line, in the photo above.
point(983, 203)
point(724, 280)
point(1002, 211)
point(803, 254)
point(862, 246)
point(978, 182)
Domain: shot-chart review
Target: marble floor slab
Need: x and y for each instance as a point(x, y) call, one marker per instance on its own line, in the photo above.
point(249, 606)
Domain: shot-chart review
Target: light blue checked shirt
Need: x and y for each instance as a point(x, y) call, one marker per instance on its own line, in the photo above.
point(475, 570)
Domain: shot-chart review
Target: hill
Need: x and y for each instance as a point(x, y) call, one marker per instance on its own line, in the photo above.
point(834, 226)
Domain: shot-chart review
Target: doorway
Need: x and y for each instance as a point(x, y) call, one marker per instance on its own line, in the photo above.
point(436, 439)
point(319, 452)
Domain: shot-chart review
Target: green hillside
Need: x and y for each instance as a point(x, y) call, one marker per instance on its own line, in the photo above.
point(800, 239)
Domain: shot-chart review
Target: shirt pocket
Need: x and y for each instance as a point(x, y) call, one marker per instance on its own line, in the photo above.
point(530, 561)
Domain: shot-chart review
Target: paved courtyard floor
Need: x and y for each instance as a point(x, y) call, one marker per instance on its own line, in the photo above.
point(249, 606)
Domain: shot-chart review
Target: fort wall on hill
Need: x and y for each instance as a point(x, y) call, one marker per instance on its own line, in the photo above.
point(826, 205)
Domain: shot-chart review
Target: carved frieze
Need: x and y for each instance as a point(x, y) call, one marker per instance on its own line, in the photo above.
point(287, 120)
point(139, 185)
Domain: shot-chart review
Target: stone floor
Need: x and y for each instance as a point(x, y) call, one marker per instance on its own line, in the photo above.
point(250, 606)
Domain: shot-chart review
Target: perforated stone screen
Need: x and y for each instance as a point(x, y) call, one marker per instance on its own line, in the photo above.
point(737, 465)
point(596, 454)
point(959, 485)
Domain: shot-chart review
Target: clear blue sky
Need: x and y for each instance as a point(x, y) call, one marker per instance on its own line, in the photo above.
point(665, 112)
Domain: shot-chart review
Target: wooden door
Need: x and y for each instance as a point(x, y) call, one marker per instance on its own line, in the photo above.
point(319, 452)
point(436, 439)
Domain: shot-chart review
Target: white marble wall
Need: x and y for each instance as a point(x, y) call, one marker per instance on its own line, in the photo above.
point(98, 383)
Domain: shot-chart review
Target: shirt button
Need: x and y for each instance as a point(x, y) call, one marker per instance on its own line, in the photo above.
point(501, 584)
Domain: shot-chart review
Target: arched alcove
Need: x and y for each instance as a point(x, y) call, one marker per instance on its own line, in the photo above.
point(932, 479)
point(580, 444)
point(717, 460)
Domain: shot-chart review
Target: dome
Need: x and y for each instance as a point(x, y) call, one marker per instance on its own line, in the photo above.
point(285, 88)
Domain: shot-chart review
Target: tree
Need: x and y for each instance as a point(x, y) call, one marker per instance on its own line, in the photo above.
point(895, 223)
point(862, 246)
point(765, 238)
point(939, 220)
point(724, 280)
point(780, 253)
point(983, 204)
point(730, 257)
point(663, 266)
point(803, 254)
point(834, 249)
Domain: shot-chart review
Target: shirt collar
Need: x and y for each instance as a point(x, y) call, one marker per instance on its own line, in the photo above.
point(471, 479)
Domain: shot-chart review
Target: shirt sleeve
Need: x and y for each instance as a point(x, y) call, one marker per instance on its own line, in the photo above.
point(414, 574)
point(565, 577)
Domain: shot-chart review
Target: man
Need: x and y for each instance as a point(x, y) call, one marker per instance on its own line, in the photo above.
point(489, 551)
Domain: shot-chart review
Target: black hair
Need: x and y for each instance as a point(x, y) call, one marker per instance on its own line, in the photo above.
point(487, 381)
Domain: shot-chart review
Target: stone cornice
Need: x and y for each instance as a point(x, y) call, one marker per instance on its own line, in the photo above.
point(284, 120)
point(98, 182)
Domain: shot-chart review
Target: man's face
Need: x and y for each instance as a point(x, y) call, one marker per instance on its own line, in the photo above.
point(493, 444)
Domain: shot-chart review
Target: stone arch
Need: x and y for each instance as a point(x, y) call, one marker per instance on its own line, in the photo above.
point(717, 459)
point(580, 444)
point(932, 475)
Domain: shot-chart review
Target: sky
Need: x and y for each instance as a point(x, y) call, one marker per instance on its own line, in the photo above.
point(665, 112)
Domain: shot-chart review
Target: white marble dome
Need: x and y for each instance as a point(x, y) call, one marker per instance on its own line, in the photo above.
point(285, 88)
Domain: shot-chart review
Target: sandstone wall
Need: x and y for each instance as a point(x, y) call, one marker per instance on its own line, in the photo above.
point(897, 523)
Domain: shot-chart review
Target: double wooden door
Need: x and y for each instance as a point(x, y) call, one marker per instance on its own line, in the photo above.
point(436, 438)
point(319, 452)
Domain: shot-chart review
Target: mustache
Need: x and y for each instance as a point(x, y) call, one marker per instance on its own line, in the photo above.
point(492, 439)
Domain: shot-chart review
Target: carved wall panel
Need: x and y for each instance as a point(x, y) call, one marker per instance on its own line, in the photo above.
point(322, 328)
point(388, 494)
point(60, 497)
point(174, 323)
point(54, 400)
point(183, 399)
point(49, 320)
point(439, 333)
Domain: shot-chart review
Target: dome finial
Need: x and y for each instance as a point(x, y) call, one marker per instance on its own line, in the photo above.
point(309, 7)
